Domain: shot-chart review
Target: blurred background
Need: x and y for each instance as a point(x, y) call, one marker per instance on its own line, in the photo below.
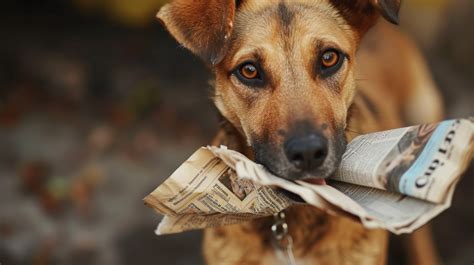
point(98, 105)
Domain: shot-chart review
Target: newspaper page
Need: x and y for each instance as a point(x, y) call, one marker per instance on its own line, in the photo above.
point(203, 188)
point(217, 186)
point(421, 161)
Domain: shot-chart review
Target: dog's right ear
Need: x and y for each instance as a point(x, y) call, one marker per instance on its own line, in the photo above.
point(202, 26)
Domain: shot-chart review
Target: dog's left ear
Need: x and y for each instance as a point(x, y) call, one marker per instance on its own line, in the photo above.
point(363, 14)
point(389, 9)
point(202, 26)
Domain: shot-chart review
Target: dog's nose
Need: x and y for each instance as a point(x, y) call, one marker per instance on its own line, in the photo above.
point(308, 152)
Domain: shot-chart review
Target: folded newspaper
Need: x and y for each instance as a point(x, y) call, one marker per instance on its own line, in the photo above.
point(396, 180)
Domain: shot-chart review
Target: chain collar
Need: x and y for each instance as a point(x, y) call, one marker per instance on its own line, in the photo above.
point(282, 240)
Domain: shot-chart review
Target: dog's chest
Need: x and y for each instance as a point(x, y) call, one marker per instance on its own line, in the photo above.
point(318, 239)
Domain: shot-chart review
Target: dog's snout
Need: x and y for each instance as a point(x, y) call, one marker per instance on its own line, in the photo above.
point(308, 152)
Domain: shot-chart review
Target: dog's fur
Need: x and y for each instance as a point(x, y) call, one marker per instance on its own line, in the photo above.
point(382, 84)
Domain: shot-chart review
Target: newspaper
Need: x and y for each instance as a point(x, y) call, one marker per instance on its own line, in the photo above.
point(396, 180)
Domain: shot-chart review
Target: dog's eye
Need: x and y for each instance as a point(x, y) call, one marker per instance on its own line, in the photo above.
point(329, 59)
point(330, 62)
point(249, 74)
point(249, 71)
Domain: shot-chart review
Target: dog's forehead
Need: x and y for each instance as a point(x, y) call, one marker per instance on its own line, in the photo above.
point(271, 24)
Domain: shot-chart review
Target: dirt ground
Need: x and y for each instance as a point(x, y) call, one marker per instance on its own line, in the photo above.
point(95, 114)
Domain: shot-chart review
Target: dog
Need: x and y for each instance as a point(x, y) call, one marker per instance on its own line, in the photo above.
point(294, 81)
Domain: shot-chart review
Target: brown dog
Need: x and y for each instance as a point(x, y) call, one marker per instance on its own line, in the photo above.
point(294, 81)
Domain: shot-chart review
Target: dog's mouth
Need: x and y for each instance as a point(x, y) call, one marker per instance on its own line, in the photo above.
point(275, 159)
point(313, 178)
point(305, 178)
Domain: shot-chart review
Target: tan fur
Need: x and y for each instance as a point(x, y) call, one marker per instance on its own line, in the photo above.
point(293, 89)
point(377, 88)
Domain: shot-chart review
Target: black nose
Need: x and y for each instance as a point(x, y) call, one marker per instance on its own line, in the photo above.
point(307, 152)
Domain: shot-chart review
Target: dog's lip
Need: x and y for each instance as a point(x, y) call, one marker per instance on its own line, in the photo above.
point(315, 181)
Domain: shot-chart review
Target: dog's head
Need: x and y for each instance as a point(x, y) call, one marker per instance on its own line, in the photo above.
point(284, 71)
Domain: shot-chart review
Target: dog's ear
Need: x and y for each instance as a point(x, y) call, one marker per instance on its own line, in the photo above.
point(389, 9)
point(202, 26)
point(363, 14)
